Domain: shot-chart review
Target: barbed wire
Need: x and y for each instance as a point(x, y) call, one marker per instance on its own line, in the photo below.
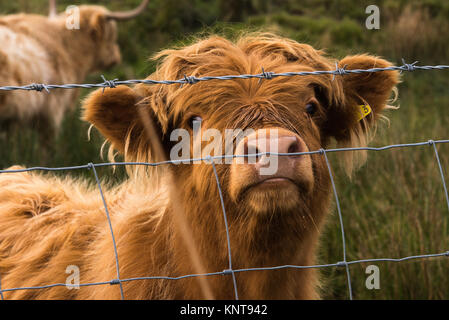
point(230, 270)
point(193, 80)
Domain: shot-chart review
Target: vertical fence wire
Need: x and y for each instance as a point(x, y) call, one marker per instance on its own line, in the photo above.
point(117, 281)
point(431, 142)
point(344, 262)
point(230, 270)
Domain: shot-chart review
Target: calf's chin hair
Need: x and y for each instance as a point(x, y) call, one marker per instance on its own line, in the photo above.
point(48, 223)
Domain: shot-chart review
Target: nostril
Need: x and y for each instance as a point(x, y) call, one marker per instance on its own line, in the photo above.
point(290, 144)
point(257, 151)
point(249, 151)
point(294, 147)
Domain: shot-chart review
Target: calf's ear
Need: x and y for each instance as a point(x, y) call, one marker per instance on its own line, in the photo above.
point(365, 97)
point(118, 114)
point(373, 88)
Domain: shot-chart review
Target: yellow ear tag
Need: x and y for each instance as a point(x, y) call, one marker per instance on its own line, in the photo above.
point(364, 111)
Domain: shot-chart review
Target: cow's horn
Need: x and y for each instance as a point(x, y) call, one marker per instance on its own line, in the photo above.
point(52, 12)
point(126, 15)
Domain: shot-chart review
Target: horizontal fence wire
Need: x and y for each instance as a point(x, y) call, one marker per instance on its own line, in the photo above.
point(192, 79)
point(230, 270)
point(210, 159)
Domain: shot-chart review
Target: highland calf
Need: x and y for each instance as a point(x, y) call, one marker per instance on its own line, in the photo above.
point(44, 50)
point(48, 223)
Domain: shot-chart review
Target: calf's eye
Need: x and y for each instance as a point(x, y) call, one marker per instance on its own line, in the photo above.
point(311, 108)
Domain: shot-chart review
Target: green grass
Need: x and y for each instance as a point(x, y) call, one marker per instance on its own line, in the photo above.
point(394, 206)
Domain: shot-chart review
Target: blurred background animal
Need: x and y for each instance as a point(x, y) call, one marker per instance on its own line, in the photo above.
point(48, 50)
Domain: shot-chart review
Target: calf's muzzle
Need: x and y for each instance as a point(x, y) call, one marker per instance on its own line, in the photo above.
point(260, 151)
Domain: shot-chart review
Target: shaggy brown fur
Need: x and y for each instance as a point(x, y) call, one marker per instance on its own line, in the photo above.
point(48, 223)
point(37, 49)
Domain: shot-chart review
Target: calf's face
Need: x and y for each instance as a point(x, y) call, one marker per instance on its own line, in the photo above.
point(241, 117)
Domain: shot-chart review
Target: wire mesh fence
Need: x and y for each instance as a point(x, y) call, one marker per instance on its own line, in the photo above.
point(230, 271)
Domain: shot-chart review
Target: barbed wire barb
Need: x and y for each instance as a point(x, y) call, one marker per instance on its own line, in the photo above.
point(108, 83)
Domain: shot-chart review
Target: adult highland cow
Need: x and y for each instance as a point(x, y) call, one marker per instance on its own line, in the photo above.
point(53, 50)
point(48, 223)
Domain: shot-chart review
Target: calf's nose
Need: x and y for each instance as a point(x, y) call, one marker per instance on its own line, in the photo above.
point(282, 144)
point(274, 140)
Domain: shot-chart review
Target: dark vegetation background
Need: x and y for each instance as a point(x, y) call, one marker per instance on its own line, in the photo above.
point(394, 206)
